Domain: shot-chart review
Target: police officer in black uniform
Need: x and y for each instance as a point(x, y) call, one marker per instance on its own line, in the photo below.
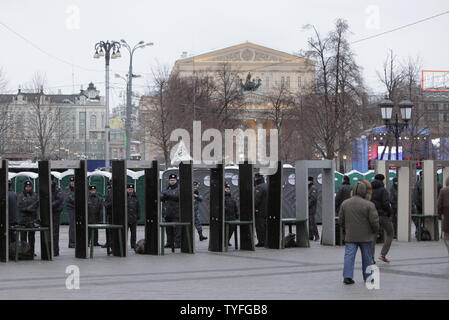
point(170, 211)
point(69, 196)
point(133, 206)
point(231, 210)
point(28, 204)
point(261, 200)
point(313, 200)
point(57, 204)
point(95, 211)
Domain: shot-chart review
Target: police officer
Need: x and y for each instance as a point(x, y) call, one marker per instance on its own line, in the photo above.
point(95, 211)
point(170, 211)
point(133, 213)
point(108, 207)
point(69, 196)
point(57, 203)
point(28, 204)
point(196, 206)
point(261, 197)
point(12, 207)
point(313, 199)
point(231, 210)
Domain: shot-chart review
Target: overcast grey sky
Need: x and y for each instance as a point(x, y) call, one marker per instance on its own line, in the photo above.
point(69, 30)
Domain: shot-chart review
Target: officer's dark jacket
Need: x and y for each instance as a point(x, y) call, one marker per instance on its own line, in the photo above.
point(95, 208)
point(197, 200)
point(133, 208)
point(343, 193)
point(170, 197)
point(12, 207)
point(261, 198)
point(313, 199)
point(69, 196)
point(108, 203)
point(231, 208)
point(381, 198)
point(57, 200)
point(394, 198)
point(28, 204)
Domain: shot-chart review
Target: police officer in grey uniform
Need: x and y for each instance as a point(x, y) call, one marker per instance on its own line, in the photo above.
point(28, 204)
point(170, 211)
point(95, 211)
point(133, 207)
point(69, 196)
point(313, 199)
point(196, 206)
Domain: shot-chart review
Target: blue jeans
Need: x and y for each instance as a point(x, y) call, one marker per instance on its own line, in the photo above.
point(350, 253)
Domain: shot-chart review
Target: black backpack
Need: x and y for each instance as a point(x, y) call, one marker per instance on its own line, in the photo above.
point(140, 247)
point(290, 240)
point(25, 251)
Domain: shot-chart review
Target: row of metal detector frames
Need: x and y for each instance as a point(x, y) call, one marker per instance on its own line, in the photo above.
point(152, 206)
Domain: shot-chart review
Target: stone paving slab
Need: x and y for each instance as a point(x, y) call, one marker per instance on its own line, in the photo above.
point(418, 270)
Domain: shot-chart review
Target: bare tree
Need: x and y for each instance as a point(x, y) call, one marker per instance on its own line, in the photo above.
point(331, 110)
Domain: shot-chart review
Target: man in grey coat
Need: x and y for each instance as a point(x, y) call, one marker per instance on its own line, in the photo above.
point(358, 216)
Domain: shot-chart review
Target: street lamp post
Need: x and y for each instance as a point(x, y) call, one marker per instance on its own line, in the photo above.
point(131, 51)
point(396, 128)
point(103, 49)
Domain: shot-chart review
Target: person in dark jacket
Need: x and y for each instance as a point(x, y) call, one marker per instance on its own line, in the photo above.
point(170, 211)
point(12, 209)
point(260, 199)
point(231, 210)
point(197, 198)
point(394, 206)
point(57, 204)
point(69, 196)
point(343, 193)
point(381, 200)
point(417, 202)
point(108, 209)
point(28, 204)
point(95, 211)
point(133, 207)
point(313, 199)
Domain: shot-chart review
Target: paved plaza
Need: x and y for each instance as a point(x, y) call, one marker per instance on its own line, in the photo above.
point(418, 270)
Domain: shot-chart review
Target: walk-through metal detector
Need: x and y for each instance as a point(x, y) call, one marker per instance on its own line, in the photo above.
point(430, 193)
point(217, 209)
point(45, 207)
point(246, 189)
point(4, 223)
point(275, 188)
point(328, 206)
point(406, 178)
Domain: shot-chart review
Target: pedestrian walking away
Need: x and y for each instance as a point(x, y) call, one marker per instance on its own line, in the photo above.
point(358, 216)
point(381, 200)
point(196, 206)
point(170, 211)
point(133, 206)
point(443, 212)
point(313, 200)
point(69, 197)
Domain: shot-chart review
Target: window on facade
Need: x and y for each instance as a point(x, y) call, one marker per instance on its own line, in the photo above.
point(432, 116)
point(93, 121)
point(299, 82)
point(82, 125)
point(288, 82)
point(267, 82)
point(282, 82)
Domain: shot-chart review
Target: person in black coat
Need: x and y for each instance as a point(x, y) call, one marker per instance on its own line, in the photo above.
point(231, 210)
point(170, 211)
point(69, 197)
point(95, 211)
point(12, 209)
point(312, 202)
point(28, 204)
point(57, 203)
point(108, 209)
point(394, 206)
point(133, 207)
point(260, 199)
point(381, 200)
point(343, 193)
